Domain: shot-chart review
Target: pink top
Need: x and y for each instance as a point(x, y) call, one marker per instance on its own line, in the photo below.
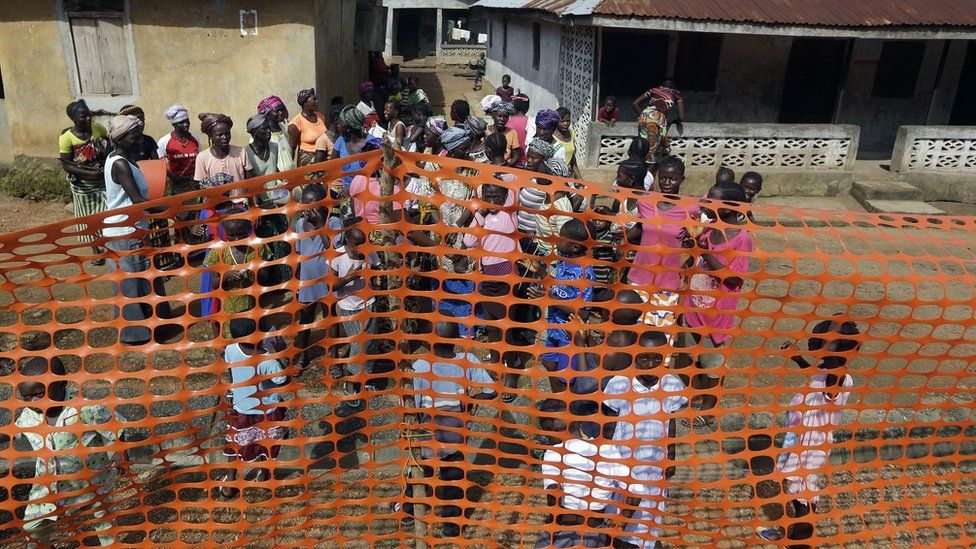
point(666, 235)
point(501, 223)
point(370, 211)
point(741, 242)
point(519, 124)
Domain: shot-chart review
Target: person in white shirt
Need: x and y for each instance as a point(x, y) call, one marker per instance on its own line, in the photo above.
point(819, 408)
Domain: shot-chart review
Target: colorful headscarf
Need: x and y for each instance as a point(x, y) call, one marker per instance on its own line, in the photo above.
point(556, 167)
point(547, 119)
point(256, 122)
point(436, 126)
point(455, 136)
point(208, 120)
point(477, 125)
point(546, 150)
point(488, 101)
point(176, 113)
point(305, 95)
point(270, 103)
point(352, 117)
point(365, 87)
point(121, 125)
point(501, 107)
point(74, 107)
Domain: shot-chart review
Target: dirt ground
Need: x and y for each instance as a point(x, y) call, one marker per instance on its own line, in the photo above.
point(17, 213)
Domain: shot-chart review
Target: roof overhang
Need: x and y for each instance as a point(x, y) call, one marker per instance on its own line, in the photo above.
point(893, 32)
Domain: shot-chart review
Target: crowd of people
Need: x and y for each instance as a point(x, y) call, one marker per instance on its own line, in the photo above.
point(630, 264)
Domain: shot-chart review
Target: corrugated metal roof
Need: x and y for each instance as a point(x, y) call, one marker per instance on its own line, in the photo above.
point(832, 13)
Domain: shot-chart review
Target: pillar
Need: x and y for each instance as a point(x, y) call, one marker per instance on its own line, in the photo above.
point(439, 34)
point(388, 48)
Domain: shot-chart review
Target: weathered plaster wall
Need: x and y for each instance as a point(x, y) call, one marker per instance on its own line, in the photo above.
point(185, 50)
point(749, 87)
point(542, 84)
point(878, 117)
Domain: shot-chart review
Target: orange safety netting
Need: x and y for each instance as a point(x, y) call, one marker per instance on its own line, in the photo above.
point(807, 374)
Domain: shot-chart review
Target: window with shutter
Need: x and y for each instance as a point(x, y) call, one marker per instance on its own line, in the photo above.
point(101, 46)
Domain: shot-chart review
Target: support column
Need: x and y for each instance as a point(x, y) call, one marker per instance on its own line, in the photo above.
point(439, 34)
point(388, 46)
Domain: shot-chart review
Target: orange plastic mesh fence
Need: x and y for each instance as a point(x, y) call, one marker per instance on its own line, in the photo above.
point(487, 358)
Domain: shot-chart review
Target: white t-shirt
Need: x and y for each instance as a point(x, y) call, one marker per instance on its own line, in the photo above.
point(447, 381)
point(577, 462)
point(349, 300)
point(242, 397)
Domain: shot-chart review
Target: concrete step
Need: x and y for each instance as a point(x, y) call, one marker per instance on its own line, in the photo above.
point(884, 190)
point(916, 207)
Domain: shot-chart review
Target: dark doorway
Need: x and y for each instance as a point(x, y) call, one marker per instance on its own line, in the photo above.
point(964, 108)
point(631, 62)
point(814, 77)
point(407, 33)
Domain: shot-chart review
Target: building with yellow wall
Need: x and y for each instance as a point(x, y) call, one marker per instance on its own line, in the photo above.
point(209, 55)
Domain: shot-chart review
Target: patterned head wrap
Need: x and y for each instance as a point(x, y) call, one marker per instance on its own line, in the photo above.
point(256, 122)
point(546, 150)
point(556, 167)
point(365, 87)
point(488, 101)
point(547, 119)
point(305, 95)
point(454, 137)
point(352, 117)
point(501, 107)
point(209, 120)
point(134, 110)
point(477, 125)
point(177, 113)
point(74, 107)
point(121, 125)
point(270, 103)
point(436, 126)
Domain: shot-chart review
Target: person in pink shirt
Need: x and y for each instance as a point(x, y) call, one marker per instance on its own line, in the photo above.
point(498, 224)
point(365, 195)
point(708, 311)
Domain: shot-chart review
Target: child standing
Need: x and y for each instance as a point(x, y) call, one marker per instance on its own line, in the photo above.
point(314, 266)
point(505, 91)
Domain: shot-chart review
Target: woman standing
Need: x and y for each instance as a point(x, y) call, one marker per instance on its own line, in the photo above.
point(84, 147)
point(415, 97)
point(125, 185)
point(262, 152)
point(221, 157)
point(566, 137)
point(180, 149)
point(306, 128)
point(276, 111)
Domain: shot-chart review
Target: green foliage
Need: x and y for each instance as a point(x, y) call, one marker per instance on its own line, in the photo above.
point(35, 181)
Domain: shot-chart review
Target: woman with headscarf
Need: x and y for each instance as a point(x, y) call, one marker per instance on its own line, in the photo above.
point(537, 153)
point(126, 186)
point(221, 157)
point(566, 137)
point(479, 129)
point(180, 149)
point(500, 112)
point(456, 141)
point(546, 122)
point(262, 153)
point(415, 96)
point(306, 128)
point(276, 111)
point(148, 150)
point(83, 148)
point(352, 139)
point(433, 131)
